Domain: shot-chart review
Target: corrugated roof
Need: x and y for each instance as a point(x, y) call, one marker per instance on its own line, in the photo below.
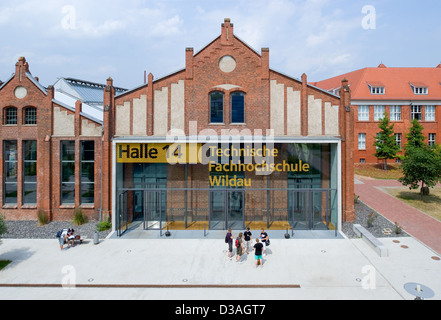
point(90, 92)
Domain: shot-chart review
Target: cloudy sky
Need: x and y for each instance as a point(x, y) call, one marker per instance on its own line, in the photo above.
point(93, 40)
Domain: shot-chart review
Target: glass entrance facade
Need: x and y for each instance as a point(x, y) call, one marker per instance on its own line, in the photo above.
point(299, 190)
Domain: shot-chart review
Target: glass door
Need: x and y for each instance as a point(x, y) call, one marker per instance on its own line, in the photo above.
point(235, 205)
point(217, 210)
point(309, 209)
point(227, 209)
point(155, 209)
point(122, 215)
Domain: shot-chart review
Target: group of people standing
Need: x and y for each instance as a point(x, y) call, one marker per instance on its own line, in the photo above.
point(244, 243)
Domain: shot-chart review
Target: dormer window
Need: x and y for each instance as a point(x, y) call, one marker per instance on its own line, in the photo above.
point(419, 89)
point(376, 88)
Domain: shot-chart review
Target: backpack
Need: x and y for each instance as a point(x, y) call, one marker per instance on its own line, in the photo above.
point(237, 243)
point(58, 235)
point(226, 238)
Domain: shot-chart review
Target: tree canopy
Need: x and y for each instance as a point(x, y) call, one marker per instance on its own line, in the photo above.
point(386, 146)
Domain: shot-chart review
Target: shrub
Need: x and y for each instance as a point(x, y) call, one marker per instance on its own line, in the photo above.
point(3, 226)
point(79, 218)
point(398, 229)
point(103, 226)
point(370, 219)
point(42, 218)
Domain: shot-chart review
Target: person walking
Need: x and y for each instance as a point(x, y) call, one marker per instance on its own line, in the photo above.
point(263, 239)
point(248, 240)
point(229, 240)
point(258, 253)
point(239, 248)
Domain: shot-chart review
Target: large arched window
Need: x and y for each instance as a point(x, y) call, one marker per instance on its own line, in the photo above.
point(30, 116)
point(237, 107)
point(11, 115)
point(216, 107)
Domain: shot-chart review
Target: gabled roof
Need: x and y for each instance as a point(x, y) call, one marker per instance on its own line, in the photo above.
point(397, 82)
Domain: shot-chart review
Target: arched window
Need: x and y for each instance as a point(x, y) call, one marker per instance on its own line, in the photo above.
point(237, 107)
point(216, 107)
point(30, 116)
point(11, 115)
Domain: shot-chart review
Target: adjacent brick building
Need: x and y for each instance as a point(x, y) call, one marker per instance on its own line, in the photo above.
point(226, 100)
point(403, 93)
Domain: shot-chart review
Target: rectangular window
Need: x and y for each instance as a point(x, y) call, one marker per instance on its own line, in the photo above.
point(362, 160)
point(10, 172)
point(216, 107)
point(432, 137)
point(67, 172)
point(430, 113)
point(377, 90)
point(237, 107)
point(398, 139)
point(362, 141)
point(420, 90)
point(363, 113)
point(11, 115)
point(30, 172)
point(378, 113)
point(87, 172)
point(416, 112)
point(395, 113)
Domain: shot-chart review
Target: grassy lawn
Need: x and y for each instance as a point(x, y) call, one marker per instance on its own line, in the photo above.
point(376, 171)
point(431, 204)
point(4, 263)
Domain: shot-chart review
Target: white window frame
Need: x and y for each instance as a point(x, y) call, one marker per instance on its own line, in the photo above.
point(395, 113)
point(362, 141)
point(429, 113)
point(420, 90)
point(398, 139)
point(363, 113)
point(432, 139)
point(377, 114)
point(414, 111)
point(378, 90)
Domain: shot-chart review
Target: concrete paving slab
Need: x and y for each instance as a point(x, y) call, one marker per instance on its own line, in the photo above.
point(293, 269)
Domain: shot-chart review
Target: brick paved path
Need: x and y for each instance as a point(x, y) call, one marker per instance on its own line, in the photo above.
point(416, 223)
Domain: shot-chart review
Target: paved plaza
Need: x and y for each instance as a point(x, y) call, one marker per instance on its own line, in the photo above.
point(198, 269)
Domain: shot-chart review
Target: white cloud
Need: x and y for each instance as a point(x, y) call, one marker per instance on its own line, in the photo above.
point(168, 27)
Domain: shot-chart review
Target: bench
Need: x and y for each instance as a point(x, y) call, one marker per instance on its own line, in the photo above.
point(376, 244)
point(79, 239)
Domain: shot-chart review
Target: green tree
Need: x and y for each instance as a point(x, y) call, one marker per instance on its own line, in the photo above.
point(386, 146)
point(421, 165)
point(415, 137)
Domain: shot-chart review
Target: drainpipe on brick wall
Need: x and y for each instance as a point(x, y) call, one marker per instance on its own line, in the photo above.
point(101, 193)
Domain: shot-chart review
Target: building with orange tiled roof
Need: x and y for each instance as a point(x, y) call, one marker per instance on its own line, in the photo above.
point(403, 93)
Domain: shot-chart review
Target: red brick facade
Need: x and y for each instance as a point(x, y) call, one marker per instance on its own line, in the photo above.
point(398, 90)
point(201, 76)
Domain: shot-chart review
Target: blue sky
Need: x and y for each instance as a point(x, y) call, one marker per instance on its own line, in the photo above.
point(93, 40)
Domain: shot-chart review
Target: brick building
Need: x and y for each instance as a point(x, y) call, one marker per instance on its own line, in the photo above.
point(403, 93)
point(224, 142)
